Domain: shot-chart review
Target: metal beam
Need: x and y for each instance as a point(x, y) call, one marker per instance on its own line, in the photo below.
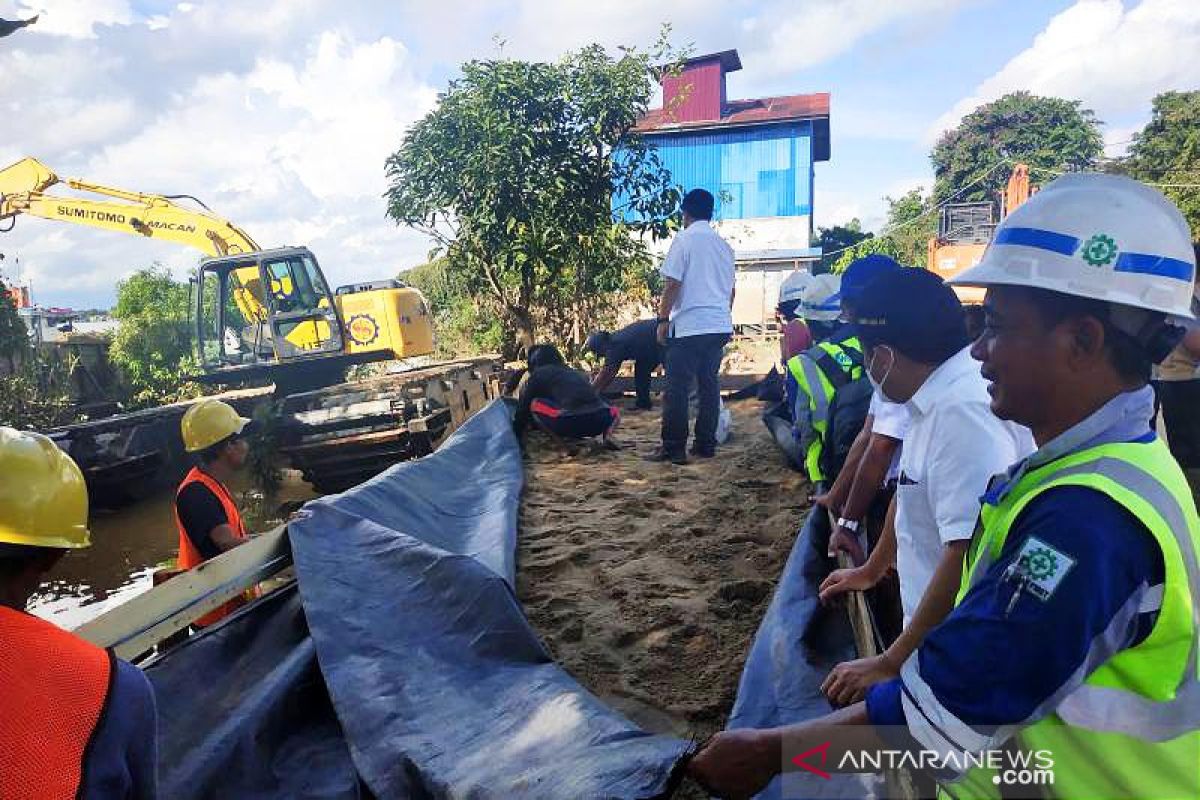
point(134, 627)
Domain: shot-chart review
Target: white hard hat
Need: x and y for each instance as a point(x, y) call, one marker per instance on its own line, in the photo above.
point(793, 286)
point(1104, 237)
point(822, 298)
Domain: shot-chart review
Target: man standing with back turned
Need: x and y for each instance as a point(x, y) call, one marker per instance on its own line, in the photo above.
point(695, 321)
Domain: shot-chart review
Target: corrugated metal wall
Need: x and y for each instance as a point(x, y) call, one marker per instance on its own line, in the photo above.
point(703, 88)
point(765, 171)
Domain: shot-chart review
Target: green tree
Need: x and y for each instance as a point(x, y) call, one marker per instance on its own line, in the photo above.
point(911, 222)
point(836, 239)
point(14, 336)
point(152, 346)
point(1047, 133)
point(463, 323)
point(1167, 151)
point(536, 187)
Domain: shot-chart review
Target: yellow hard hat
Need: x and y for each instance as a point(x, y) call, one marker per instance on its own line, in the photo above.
point(43, 499)
point(208, 422)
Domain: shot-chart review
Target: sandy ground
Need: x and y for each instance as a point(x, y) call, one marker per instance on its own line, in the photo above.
point(648, 581)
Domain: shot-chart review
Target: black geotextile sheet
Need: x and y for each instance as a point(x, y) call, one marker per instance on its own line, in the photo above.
point(403, 667)
point(798, 642)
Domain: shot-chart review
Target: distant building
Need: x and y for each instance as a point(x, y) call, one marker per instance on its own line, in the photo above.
point(756, 157)
point(58, 325)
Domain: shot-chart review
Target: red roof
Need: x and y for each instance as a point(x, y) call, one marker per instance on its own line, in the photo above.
point(744, 112)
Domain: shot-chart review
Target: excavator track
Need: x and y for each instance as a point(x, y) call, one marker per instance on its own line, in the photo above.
point(336, 436)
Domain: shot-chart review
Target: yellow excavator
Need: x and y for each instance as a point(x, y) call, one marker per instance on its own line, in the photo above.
point(257, 313)
point(964, 230)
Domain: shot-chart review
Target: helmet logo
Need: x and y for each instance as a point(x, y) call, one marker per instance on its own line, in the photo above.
point(1100, 250)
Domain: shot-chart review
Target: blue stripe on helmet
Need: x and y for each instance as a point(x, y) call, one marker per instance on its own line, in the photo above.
point(1146, 264)
point(1035, 237)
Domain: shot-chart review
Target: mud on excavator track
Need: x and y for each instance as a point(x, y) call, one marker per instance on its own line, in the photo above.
point(341, 435)
point(336, 436)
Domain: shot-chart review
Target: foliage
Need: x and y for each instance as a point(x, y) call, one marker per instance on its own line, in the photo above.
point(37, 395)
point(14, 336)
point(515, 174)
point(838, 238)
point(911, 222)
point(152, 346)
point(883, 245)
point(464, 324)
point(1047, 133)
point(1167, 151)
point(263, 459)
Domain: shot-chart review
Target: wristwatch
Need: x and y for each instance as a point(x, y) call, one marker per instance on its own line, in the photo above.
point(848, 524)
point(663, 320)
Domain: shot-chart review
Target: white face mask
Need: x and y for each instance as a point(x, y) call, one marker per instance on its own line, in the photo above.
point(878, 384)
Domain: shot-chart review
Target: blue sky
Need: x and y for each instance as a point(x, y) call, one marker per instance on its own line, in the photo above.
point(279, 113)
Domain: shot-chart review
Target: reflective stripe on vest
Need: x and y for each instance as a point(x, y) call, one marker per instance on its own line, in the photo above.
point(819, 388)
point(189, 556)
point(56, 687)
point(1134, 723)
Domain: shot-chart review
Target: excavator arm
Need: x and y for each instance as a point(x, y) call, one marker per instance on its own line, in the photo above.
point(22, 191)
point(277, 291)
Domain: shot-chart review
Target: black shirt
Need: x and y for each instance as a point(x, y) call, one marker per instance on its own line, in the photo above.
point(636, 342)
point(199, 512)
point(566, 388)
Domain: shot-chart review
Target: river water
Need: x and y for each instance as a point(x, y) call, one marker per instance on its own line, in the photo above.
point(127, 546)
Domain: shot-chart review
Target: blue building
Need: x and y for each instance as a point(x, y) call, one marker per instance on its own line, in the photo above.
point(756, 157)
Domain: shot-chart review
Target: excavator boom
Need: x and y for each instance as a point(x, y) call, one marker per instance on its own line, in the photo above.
point(256, 311)
point(22, 191)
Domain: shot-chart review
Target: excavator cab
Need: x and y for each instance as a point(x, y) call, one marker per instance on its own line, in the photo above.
point(255, 310)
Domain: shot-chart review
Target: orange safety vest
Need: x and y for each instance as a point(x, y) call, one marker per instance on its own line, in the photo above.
point(189, 556)
point(55, 690)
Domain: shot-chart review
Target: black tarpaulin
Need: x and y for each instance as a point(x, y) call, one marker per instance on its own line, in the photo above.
point(798, 642)
point(411, 665)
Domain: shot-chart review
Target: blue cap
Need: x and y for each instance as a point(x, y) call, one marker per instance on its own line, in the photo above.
point(914, 311)
point(862, 271)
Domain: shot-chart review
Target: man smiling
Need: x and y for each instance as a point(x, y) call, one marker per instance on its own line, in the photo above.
point(1075, 627)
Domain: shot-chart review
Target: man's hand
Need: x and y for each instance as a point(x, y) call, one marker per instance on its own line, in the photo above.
point(660, 333)
point(849, 681)
point(840, 581)
point(846, 540)
point(826, 501)
point(737, 763)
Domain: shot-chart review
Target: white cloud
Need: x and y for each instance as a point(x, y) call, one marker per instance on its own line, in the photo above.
point(1113, 58)
point(291, 146)
point(76, 18)
point(803, 34)
point(279, 114)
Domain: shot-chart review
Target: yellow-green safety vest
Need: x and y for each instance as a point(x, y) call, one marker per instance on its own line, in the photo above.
point(822, 370)
point(1132, 729)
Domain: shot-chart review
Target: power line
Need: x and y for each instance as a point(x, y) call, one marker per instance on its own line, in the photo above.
point(886, 232)
point(1056, 173)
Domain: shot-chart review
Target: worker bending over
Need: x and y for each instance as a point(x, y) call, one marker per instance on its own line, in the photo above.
point(75, 721)
point(206, 515)
point(1075, 626)
point(561, 401)
point(637, 343)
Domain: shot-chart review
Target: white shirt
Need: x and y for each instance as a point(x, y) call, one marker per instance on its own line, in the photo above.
point(891, 420)
point(953, 446)
point(703, 263)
